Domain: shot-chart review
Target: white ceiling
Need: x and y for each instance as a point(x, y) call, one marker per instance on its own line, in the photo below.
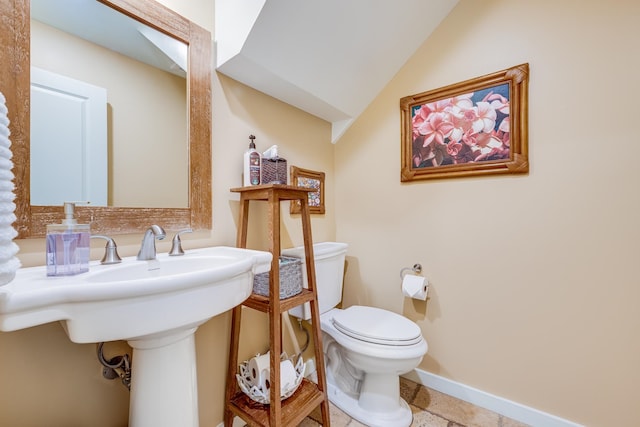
point(329, 58)
point(99, 24)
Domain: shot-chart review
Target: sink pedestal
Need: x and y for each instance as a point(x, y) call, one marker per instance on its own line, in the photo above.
point(164, 388)
point(156, 306)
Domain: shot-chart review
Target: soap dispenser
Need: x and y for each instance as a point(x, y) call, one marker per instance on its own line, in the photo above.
point(68, 245)
point(252, 165)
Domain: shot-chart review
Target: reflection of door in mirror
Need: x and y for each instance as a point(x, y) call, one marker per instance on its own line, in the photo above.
point(147, 134)
point(68, 140)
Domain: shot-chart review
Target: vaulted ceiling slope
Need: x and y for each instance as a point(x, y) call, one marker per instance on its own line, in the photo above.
point(105, 26)
point(329, 58)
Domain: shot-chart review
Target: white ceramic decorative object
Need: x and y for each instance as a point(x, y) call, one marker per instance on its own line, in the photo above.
point(259, 391)
point(9, 264)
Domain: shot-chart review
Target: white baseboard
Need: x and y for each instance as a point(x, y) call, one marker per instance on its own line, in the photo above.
point(508, 408)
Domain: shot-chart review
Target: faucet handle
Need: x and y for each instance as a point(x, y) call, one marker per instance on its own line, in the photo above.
point(176, 244)
point(110, 250)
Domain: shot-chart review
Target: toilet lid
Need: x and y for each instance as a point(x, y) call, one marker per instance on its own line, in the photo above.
point(377, 326)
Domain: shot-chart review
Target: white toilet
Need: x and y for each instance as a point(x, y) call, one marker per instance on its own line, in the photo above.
point(365, 348)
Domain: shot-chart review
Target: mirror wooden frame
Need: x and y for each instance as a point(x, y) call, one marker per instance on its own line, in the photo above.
point(31, 220)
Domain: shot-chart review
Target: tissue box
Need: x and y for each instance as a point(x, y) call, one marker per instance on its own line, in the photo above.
point(274, 171)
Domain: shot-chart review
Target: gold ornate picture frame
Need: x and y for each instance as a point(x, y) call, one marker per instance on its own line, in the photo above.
point(476, 127)
point(308, 179)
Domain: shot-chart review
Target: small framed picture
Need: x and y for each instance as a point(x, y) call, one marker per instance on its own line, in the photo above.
point(308, 179)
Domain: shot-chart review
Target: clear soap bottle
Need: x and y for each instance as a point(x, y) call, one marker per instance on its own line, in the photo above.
point(68, 245)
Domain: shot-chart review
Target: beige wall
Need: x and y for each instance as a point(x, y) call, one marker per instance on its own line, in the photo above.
point(533, 292)
point(47, 380)
point(535, 287)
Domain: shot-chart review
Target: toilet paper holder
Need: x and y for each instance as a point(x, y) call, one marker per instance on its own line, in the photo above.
point(417, 268)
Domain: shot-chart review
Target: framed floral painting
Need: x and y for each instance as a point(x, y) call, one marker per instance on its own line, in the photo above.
point(308, 179)
point(475, 127)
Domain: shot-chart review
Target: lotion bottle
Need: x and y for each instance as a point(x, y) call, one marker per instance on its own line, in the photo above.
point(68, 245)
point(252, 165)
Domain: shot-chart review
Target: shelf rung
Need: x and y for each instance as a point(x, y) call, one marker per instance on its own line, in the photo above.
point(261, 303)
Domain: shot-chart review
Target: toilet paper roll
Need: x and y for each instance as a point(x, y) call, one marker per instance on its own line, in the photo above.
point(260, 371)
point(415, 287)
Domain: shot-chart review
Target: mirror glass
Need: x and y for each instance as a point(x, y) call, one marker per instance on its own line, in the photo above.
point(109, 112)
point(31, 219)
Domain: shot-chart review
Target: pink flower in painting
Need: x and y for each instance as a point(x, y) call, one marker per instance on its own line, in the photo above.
point(479, 118)
point(458, 130)
point(441, 105)
point(436, 128)
point(484, 140)
point(505, 125)
point(499, 103)
point(454, 148)
point(420, 116)
point(469, 138)
point(463, 101)
point(503, 131)
point(486, 117)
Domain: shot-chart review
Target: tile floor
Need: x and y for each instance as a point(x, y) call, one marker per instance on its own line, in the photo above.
point(430, 409)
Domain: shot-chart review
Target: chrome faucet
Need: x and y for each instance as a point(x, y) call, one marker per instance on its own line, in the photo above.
point(148, 248)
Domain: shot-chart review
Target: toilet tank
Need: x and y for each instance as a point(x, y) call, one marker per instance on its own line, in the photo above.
point(329, 260)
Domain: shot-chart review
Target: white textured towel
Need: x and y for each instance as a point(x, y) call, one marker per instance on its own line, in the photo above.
point(9, 263)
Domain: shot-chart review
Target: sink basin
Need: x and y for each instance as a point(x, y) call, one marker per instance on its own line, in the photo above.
point(133, 299)
point(156, 306)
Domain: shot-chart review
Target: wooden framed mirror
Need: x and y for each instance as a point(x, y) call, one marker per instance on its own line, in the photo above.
point(31, 220)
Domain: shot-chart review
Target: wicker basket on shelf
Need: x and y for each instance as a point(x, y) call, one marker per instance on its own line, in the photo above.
point(290, 279)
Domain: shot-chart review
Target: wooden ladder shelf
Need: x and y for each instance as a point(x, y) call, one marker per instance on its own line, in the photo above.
point(309, 395)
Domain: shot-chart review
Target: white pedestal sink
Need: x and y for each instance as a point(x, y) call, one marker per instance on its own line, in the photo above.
point(156, 306)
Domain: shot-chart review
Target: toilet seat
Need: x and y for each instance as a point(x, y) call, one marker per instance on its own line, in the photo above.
point(376, 326)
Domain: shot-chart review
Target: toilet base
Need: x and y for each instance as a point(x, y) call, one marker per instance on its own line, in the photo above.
point(400, 417)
